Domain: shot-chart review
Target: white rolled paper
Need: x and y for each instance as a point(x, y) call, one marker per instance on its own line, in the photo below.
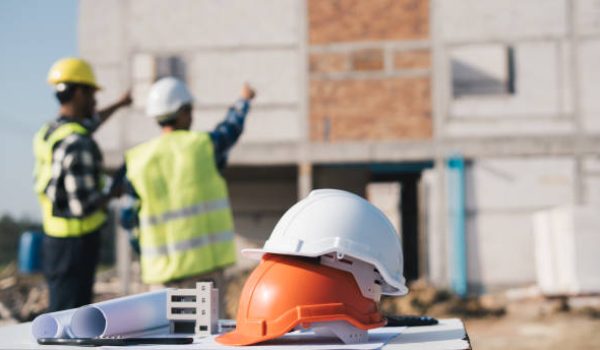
point(121, 316)
point(53, 325)
point(130, 314)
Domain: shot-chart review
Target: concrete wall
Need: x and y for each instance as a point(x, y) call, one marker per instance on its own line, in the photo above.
point(543, 100)
point(502, 194)
point(224, 45)
point(589, 55)
point(490, 20)
point(591, 171)
point(556, 51)
point(221, 46)
point(555, 54)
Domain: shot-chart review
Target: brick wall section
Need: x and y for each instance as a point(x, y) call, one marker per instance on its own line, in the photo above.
point(365, 109)
point(364, 20)
point(328, 62)
point(412, 59)
point(365, 84)
point(368, 59)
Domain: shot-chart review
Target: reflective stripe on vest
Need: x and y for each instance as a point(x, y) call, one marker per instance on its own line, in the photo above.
point(197, 209)
point(186, 226)
point(192, 243)
point(43, 147)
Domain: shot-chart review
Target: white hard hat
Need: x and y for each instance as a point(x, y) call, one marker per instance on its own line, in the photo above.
point(166, 96)
point(335, 221)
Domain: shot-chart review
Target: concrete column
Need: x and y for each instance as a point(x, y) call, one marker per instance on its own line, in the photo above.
point(438, 261)
point(305, 176)
point(305, 183)
point(577, 108)
point(123, 255)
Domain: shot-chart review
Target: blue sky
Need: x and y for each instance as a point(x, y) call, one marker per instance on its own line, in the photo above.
point(33, 34)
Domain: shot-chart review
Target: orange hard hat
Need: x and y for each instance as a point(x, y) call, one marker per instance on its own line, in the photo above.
point(286, 291)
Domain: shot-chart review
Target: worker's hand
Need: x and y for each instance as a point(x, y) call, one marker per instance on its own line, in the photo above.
point(248, 92)
point(125, 99)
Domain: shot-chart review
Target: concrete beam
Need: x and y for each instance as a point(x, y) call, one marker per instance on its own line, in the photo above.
point(407, 73)
point(470, 148)
point(523, 146)
point(401, 45)
point(287, 153)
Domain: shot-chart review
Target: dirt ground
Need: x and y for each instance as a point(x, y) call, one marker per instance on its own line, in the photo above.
point(495, 322)
point(553, 332)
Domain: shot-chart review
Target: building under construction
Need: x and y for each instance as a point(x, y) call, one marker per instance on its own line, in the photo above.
point(458, 118)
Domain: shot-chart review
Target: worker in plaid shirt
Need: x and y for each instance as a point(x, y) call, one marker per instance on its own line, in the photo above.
point(77, 171)
point(68, 181)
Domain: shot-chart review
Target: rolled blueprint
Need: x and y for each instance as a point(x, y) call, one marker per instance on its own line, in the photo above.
point(131, 314)
point(53, 324)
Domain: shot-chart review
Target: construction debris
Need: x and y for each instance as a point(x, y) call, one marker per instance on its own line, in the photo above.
point(424, 299)
point(8, 282)
point(5, 313)
point(23, 297)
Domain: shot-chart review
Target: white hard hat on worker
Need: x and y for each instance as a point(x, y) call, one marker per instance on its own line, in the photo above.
point(166, 97)
point(333, 221)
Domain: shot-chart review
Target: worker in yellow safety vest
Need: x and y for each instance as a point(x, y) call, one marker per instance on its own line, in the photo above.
point(185, 223)
point(68, 183)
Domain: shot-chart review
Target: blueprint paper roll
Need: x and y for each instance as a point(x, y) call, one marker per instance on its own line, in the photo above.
point(120, 316)
point(53, 325)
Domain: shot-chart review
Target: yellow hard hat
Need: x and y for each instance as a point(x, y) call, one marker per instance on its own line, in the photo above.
point(72, 70)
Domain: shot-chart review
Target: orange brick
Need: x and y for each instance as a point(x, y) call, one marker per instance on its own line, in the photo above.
point(333, 21)
point(328, 62)
point(412, 59)
point(384, 109)
point(369, 59)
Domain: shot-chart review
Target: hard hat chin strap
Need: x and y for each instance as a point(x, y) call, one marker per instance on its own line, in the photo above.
point(366, 275)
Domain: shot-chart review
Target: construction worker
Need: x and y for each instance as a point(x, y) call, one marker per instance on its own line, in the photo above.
point(185, 221)
point(68, 182)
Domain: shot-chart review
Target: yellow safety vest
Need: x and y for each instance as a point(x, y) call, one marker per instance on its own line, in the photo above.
point(43, 148)
point(186, 225)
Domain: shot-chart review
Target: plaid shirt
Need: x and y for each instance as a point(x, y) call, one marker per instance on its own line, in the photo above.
point(76, 172)
point(226, 134)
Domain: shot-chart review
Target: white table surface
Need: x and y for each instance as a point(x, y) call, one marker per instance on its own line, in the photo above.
point(449, 334)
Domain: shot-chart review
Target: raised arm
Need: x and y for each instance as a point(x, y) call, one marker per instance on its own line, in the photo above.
point(227, 132)
point(106, 112)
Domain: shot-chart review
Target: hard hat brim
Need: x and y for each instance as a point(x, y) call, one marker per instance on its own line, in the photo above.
point(237, 338)
point(399, 287)
point(94, 86)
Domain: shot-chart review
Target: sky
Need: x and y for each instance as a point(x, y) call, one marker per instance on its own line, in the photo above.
point(33, 34)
